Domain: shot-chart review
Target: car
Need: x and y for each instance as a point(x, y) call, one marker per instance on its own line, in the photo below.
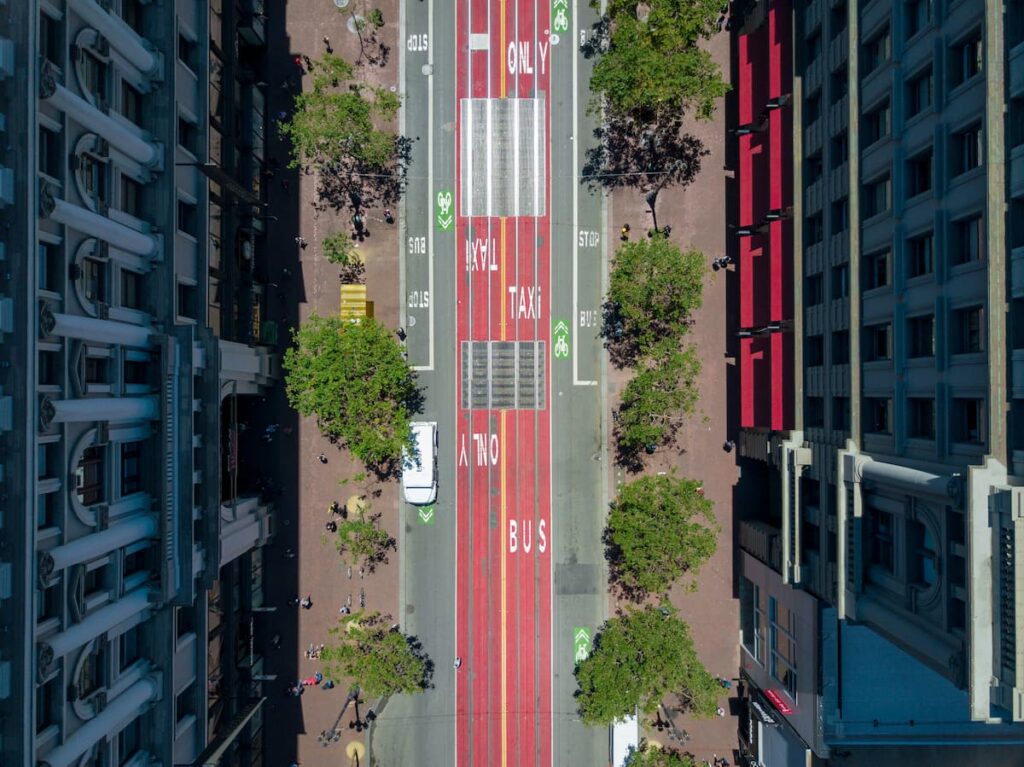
point(419, 470)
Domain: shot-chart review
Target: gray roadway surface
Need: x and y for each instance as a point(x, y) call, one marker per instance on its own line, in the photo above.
point(420, 730)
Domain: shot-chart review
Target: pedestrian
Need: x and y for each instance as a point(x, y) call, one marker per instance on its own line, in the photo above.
point(345, 610)
point(298, 63)
point(728, 445)
point(667, 230)
point(308, 61)
point(388, 216)
point(624, 232)
point(301, 242)
point(720, 711)
point(276, 640)
point(332, 526)
point(286, 273)
point(327, 44)
point(319, 677)
point(272, 428)
point(700, 491)
point(284, 184)
point(282, 115)
point(306, 602)
point(322, 458)
point(329, 684)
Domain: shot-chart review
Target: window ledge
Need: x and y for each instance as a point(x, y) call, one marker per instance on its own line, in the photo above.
point(919, 116)
point(969, 266)
point(921, 279)
point(880, 290)
point(965, 86)
point(920, 362)
point(968, 358)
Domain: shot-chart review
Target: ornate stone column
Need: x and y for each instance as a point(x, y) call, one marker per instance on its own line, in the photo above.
point(95, 225)
point(98, 409)
point(97, 544)
point(122, 37)
point(92, 329)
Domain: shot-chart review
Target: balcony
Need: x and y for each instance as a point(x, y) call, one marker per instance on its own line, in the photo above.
point(764, 541)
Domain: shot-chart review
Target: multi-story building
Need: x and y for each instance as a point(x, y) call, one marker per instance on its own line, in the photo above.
point(881, 590)
point(131, 330)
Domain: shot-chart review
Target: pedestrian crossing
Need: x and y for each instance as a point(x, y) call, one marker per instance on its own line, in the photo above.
point(503, 375)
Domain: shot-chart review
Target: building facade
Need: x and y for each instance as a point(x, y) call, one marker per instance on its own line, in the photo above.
point(131, 331)
point(896, 490)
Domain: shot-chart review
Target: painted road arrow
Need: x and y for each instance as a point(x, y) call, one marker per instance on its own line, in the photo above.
point(426, 514)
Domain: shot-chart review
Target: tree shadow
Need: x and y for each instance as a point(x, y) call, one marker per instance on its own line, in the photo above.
point(614, 557)
point(354, 184)
point(416, 647)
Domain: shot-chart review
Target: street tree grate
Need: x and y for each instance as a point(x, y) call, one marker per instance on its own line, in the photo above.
point(503, 375)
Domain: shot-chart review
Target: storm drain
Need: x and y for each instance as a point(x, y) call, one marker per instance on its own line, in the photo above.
point(503, 375)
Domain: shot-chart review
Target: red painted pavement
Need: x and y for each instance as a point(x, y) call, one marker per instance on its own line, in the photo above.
point(503, 591)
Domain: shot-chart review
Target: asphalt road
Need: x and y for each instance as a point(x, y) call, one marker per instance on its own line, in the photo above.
point(554, 450)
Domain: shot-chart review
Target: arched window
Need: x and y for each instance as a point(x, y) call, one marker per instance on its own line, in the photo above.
point(90, 475)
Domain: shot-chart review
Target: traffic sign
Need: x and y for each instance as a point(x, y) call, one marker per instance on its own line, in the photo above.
point(426, 514)
point(580, 644)
point(560, 332)
point(444, 213)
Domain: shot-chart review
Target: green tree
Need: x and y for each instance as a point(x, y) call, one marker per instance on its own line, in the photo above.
point(639, 657)
point(336, 128)
point(652, 756)
point(380, 660)
point(659, 529)
point(362, 541)
point(653, 289)
point(355, 380)
point(341, 250)
point(650, 62)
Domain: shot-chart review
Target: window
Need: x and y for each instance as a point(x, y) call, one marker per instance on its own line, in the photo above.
point(814, 229)
point(93, 173)
point(968, 420)
point(136, 562)
point(919, 173)
point(837, 22)
point(840, 151)
point(877, 196)
point(840, 281)
point(94, 279)
point(812, 109)
point(966, 59)
point(840, 84)
point(50, 267)
point(187, 300)
point(813, 46)
point(135, 372)
point(815, 168)
point(921, 417)
point(880, 525)
point(815, 293)
point(919, 92)
point(131, 196)
point(965, 153)
point(51, 153)
point(840, 216)
point(878, 342)
point(758, 627)
point(50, 47)
point(876, 269)
point(187, 52)
point(877, 50)
point(89, 476)
point(94, 76)
point(919, 15)
point(131, 289)
point(814, 351)
point(188, 220)
point(877, 124)
point(47, 698)
point(968, 241)
point(131, 103)
point(131, 467)
point(186, 134)
point(921, 336)
point(129, 740)
point(968, 330)
point(131, 12)
point(814, 412)
point(185, 703)
point(840, 347)
point(920, 255)
point(185, 621)
point(841, 413)
point(129, 649)
point(91, 676)
point(923, 554)
point(782, 645)
point(97, 370)
point(878, 415)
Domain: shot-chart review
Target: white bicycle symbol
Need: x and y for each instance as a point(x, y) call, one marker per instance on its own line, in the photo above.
point(561, 347)
point(444, 202)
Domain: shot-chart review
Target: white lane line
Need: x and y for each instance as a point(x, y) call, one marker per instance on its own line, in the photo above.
point(576, 209)
point(431, 192)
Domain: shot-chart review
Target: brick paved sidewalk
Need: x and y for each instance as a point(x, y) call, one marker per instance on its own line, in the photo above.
point(298, 28)
point(697, 216)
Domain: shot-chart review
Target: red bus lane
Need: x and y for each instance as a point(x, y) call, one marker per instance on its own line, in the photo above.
point(503, 587)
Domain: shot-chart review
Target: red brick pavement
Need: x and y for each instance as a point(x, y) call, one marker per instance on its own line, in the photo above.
point(314, 287)
point(697, 216)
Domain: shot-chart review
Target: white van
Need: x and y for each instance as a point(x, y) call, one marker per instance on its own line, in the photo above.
point(419, 471)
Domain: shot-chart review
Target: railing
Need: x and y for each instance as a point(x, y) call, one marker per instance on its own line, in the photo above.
point(764, 541)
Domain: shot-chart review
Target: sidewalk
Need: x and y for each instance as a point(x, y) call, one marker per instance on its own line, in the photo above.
point(697, 216)
point(294, 724)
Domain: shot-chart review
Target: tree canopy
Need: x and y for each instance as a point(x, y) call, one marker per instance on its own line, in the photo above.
point(361, 540)
point(649, 60)
point(652, 756)
point(355, 380)
point(655, 401)
point(639, 657)
point(337, 128)
point(380, 660)
point(339, 249)
point(653, 289)
point(659, 529)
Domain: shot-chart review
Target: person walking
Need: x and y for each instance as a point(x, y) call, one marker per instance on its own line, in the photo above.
point(322, 458)
point(728, 445)
point(301, 242)
point(306, 602)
